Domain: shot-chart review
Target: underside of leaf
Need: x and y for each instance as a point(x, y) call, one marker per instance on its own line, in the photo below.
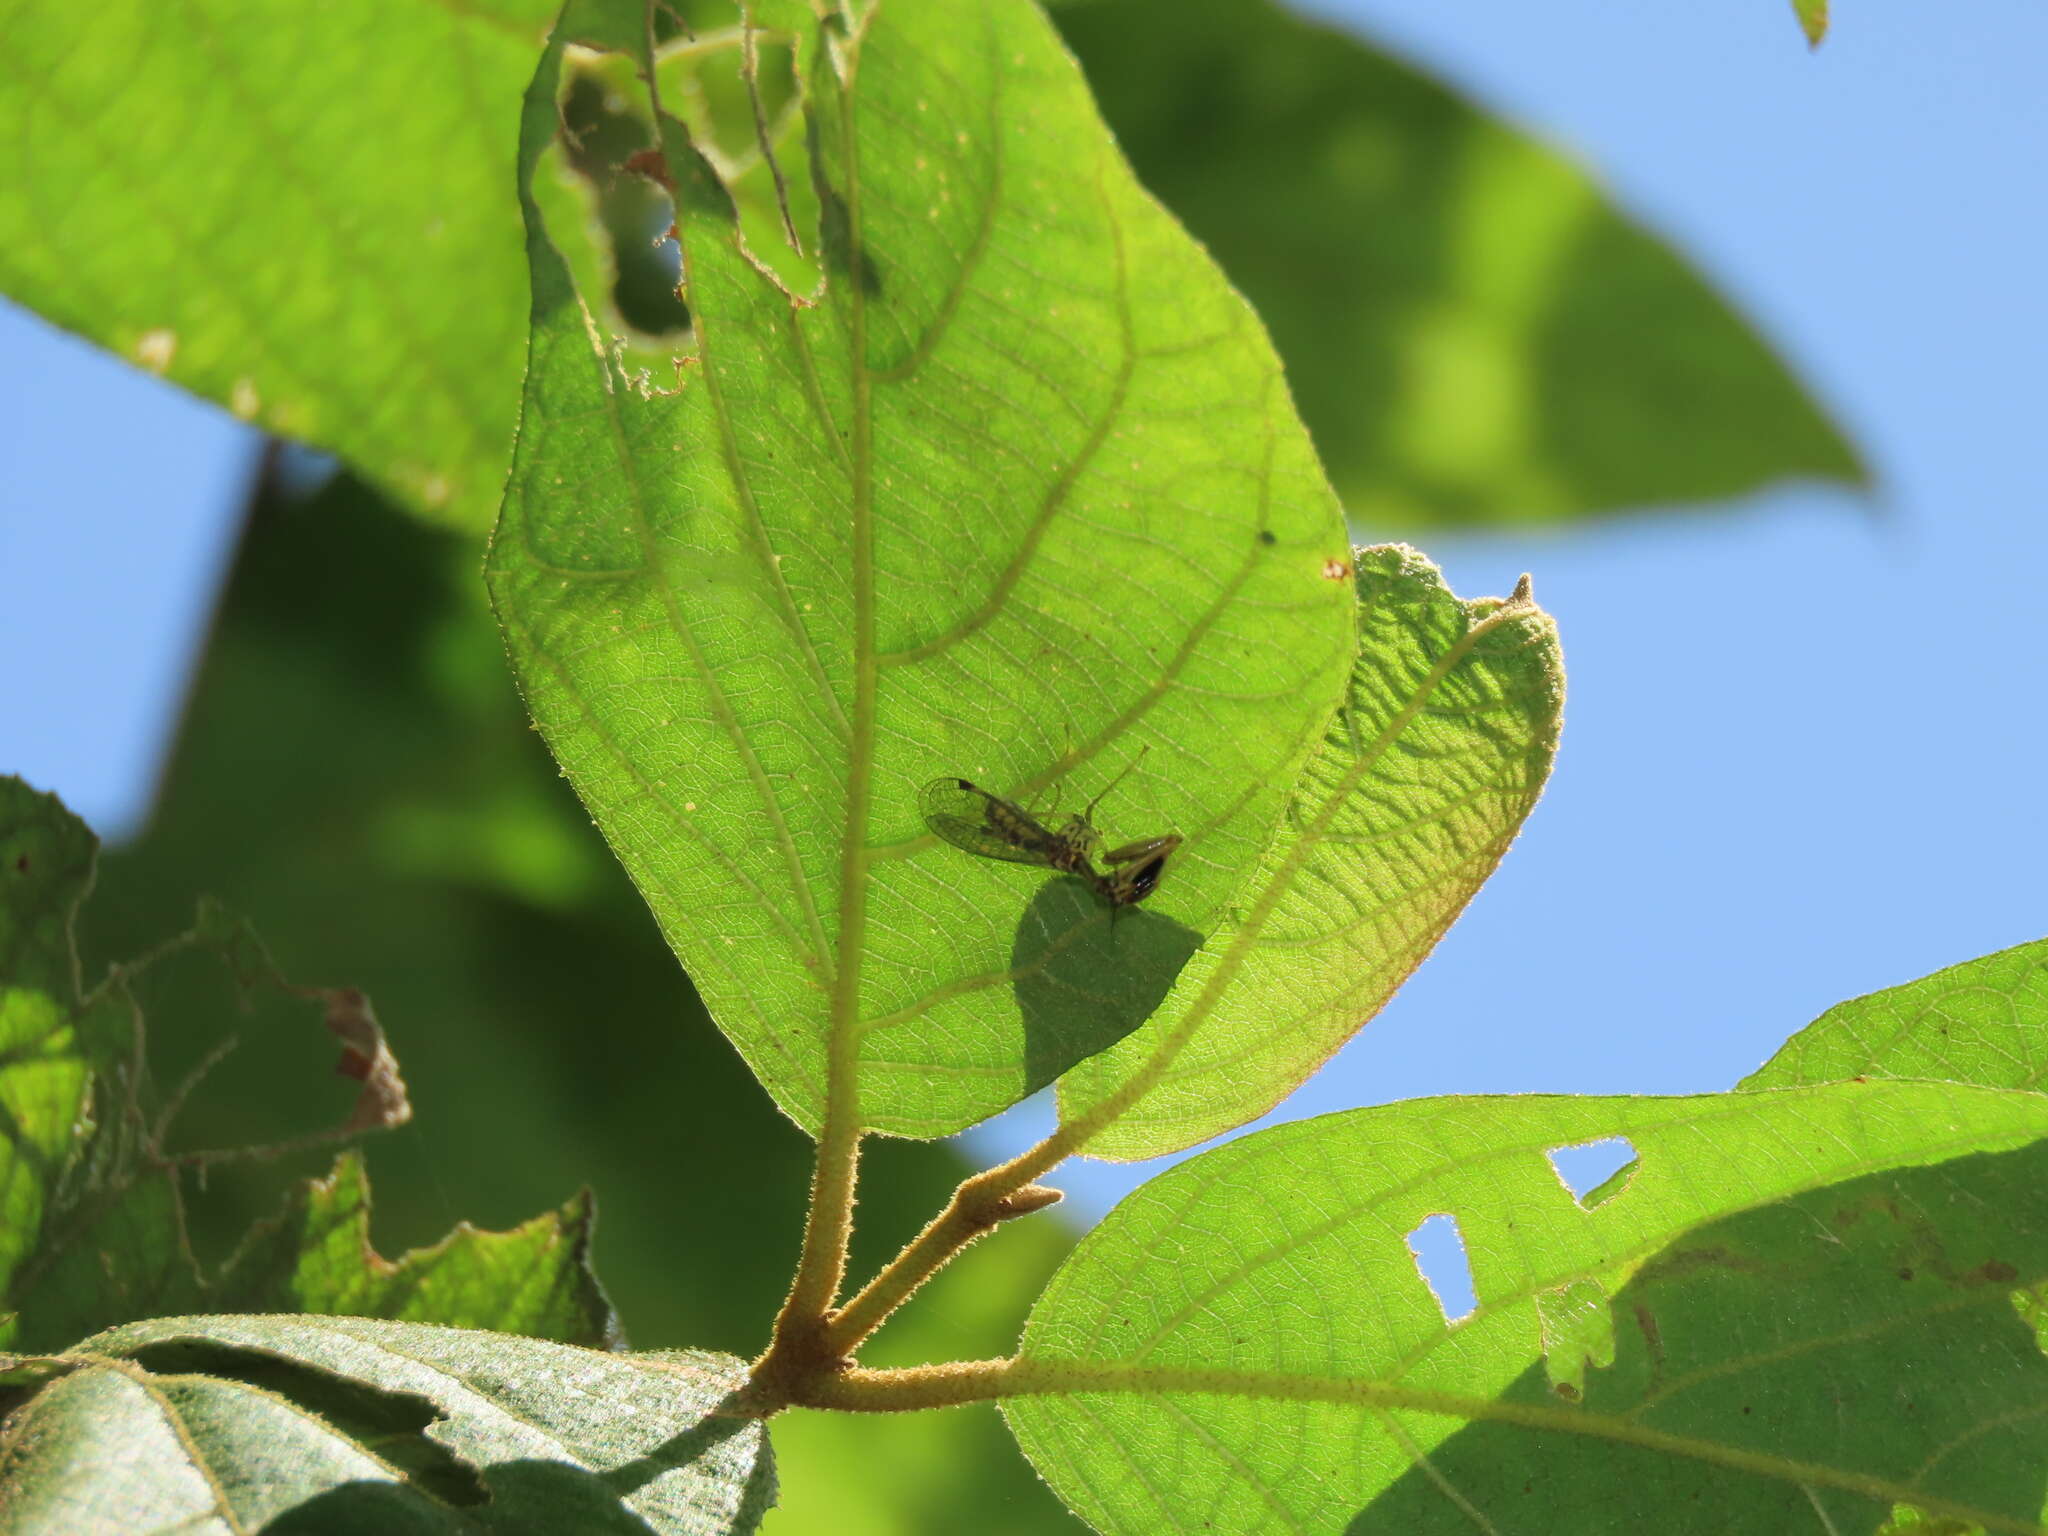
point(1016, 496)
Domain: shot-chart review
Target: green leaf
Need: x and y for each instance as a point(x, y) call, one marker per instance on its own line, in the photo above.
point(1813, 19)
point(316, 1257)
point(352, 1424)
point(1422, 780)
point(1984, 1021)
point(377, 793)
point(46, 861)
point(1474, 331)
point(1246, 1342)
point(304, 213)
point(95, 1199)
point(1856, 1358)
point(1017, 497)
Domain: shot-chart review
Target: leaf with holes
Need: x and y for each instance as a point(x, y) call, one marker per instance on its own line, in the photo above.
point(1016, 495)
point(1422, 780)
point(1245, 1343)
point(243, 1423)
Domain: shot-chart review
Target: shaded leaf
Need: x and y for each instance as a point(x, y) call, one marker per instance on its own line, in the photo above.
point(348, 1423)
point(1474, 331)
point(1246, 1341)
point(1984, 1021)
point(1017, 497)
point(1422, 780)
point(1830, 1364)
point(94, 1194)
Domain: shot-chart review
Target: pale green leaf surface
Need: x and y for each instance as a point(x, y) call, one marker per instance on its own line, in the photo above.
point(305, 213)
point(1018, 498)
point(226, 1423)
point(1984, 1021)
point(1422, 780)
point(1246, 1343)
point(1475, 330)
point(1813, 19)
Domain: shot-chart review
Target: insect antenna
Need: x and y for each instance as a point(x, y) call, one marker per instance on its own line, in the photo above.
point(1089, 814)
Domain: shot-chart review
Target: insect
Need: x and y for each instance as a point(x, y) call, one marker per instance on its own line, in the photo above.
point(971, 818)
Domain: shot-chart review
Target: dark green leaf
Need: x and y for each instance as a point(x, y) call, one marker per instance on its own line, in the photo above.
point(94, 1191)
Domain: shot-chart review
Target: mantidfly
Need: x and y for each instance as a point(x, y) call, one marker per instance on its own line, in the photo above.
point(971, 818)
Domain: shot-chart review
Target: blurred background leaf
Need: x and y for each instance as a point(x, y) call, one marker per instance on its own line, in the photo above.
point(1474, 332)
point(97, 1175)
point(355, 767)
point(309, 216)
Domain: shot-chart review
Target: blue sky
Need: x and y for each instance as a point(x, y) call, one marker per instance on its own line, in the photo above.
point(1804, 745)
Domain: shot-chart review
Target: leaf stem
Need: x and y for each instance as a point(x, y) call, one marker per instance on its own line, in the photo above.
point(980, 1204)
point(801, 1350)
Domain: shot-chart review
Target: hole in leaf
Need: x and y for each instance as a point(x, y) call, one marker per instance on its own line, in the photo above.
point(1595, 1171)
point(602, 132)
point(1439, 1250)
point(392, 1425)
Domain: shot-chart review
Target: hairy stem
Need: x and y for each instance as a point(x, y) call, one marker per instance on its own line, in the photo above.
point(800, 1348)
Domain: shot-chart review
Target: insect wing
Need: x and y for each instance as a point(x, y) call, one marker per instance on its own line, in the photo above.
point(972, 819)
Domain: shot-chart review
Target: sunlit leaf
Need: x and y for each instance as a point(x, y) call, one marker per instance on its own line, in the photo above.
point(1247, 1344)
point(316, 1257)
point(1017, 497)
point(233, 1423)
point(1984, 1021)
point(1422, 780)
point(305, 213)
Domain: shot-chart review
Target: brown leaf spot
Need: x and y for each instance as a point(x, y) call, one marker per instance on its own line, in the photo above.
point(1336, 570)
